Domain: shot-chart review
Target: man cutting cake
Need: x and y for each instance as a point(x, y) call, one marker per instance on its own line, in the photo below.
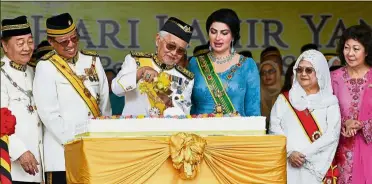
point(153, 84)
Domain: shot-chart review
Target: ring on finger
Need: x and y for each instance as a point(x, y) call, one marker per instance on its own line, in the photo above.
point(147, 76)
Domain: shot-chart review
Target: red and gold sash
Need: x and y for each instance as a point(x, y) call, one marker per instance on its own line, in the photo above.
point(313, 132)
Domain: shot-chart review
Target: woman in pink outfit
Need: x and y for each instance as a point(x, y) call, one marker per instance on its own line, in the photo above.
point(352, 85)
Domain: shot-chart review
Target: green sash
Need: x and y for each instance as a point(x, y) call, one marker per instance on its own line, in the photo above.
point(221, 99)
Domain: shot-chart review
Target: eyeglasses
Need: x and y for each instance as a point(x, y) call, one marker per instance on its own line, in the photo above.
point(267, 72)
point(171, 47)
point(65, 42)
point(308, 70)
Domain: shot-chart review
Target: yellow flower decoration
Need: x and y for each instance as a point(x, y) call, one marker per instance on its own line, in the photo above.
point(162, 83)
point(151, 88)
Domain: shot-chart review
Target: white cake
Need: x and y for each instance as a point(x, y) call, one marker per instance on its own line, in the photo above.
point(208, 126)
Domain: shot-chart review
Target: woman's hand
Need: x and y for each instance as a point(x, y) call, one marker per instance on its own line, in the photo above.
point(345, 133)
point(296, 159)
point(352, 127)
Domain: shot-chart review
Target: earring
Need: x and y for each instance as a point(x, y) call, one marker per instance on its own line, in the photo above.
point(210, 48)
point(232, 50)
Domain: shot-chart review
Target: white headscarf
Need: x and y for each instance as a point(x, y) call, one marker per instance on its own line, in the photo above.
point(332, 60)
point(324, 98)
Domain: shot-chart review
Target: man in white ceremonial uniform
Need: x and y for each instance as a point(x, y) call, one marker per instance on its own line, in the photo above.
point(309, 116)
point(25, 145)
point(70, 87)
point(139, 69)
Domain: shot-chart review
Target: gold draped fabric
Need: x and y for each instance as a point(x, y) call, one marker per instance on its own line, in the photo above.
point(187, 153)
point(226, 159)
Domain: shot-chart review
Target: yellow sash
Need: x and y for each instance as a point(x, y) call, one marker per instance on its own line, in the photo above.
point(77, 83)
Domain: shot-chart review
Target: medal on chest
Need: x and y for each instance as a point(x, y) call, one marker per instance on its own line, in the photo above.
point(91, 73)
point(30, 107)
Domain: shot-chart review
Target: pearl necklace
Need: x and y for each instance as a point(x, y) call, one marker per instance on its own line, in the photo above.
point(221, 60)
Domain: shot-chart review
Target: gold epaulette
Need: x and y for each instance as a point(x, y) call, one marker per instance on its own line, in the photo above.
point(89, 52)
point(2, 63)
point(141, 54)
point(32, 63)
point(201, 52)
point(185, 72)
point(48, 55)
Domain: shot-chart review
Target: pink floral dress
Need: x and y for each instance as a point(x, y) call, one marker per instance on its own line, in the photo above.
point(354, 154)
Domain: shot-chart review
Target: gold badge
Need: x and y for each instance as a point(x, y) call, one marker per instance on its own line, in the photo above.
point(218, 109)
point(185, 28)
point(82, 77)
point(30, 108)
point(87, 93)
point(316, 135)
point(91, 74)
point(218, 93)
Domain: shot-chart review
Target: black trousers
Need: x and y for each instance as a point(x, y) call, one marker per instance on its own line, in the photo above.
point(21, 182)
point(57, 177)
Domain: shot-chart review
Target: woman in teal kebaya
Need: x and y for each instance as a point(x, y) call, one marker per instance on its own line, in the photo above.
point(225, 82)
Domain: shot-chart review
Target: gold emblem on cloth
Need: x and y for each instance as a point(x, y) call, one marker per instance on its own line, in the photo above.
point(185, 28)
point(316, 135)
point(91, 74)
point(187, 152)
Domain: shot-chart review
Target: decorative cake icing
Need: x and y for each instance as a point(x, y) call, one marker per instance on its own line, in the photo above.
point(203, 124)
point(169, 116)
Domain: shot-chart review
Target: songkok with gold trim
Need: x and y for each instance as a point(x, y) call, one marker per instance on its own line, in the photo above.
point(60, 25)
point(178, 28)
point(15, 27)
point(43, 48)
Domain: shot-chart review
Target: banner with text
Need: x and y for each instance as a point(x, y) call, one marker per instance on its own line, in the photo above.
point(115, 28)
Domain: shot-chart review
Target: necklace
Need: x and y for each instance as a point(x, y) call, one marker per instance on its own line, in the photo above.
point(28, 93)
point(221, 60)
point(232, 71)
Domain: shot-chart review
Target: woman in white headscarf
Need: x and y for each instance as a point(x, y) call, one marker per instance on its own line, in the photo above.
point(309, 116)
point(334, 61)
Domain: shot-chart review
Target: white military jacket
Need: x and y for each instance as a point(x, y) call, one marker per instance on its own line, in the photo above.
point(61, 108)
point(28, 130)
point(124, 84)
